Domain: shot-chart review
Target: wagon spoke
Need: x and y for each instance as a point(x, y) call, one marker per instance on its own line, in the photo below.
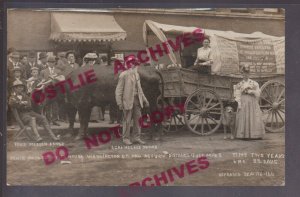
point(194, 104)
point(277, 91)
point(267, 111)
point(217, 113)
point(280, 95)
point(274, 92)
point(276, 118)
point(268, 93)
point(266, 100)
point(208, 124)
point(204, 98)
point(269, 114)
point(281, 101)
point(196, 124)
point(272, 120)
point(266, 106)
point(209, 102)
point(193, 118)
point(213, 106)
point(282, 110)
point(280, 116)
point(193, 111)
point(212, 119)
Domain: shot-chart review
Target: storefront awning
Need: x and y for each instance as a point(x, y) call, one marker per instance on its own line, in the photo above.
point(85, 27)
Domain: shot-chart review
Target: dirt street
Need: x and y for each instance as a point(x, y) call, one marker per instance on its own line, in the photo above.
point(231, 162)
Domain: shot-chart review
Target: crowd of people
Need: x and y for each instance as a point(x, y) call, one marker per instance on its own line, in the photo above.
point(27, 72)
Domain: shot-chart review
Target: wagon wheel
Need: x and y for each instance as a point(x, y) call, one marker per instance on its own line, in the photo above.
point(205, 109)
point(176, 120)
point(272, 105)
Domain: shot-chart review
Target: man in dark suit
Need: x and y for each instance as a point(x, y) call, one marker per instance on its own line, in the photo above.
point(50, 71)
point(13, 61)
point(23, 65)
point(66, 67)
point(43, 58)
point(70, 65)
point(48, 74)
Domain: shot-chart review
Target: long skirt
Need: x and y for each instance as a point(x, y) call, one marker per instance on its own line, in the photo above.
point(249, 120)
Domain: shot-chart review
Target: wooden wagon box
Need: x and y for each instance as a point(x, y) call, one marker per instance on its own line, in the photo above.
point(181, 82)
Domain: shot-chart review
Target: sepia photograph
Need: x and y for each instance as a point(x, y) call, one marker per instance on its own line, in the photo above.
point(145, 97)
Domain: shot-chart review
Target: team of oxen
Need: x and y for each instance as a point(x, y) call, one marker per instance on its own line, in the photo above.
point(102, 93)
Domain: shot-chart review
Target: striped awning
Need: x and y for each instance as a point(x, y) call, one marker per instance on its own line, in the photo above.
point(85, 27)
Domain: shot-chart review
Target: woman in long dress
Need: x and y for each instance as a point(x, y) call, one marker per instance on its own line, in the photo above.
point(249, 120)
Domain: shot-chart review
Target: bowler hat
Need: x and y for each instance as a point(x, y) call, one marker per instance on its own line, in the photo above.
point(42, 55)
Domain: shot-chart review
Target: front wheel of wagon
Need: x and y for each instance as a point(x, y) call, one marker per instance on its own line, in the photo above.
point(203, 112)
point(272, 105)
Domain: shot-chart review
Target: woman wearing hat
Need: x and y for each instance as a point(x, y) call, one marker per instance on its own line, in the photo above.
point(90, 59)
point(249, 120)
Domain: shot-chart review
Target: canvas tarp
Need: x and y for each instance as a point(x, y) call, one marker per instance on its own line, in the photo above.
point(264, 53)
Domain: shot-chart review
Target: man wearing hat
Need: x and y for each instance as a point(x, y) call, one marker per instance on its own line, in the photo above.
point(61, 59)
point(131, 99)
point(69, 65)
point(43, 58)
point(20, 101)
point(17, 75)
point(50, 73)
point(13, 61)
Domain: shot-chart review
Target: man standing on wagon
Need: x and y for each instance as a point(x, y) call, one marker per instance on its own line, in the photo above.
point(130, 98)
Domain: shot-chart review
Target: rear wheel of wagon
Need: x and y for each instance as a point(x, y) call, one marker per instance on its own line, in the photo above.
point(272, 105)
point(176, 121)
point(203, 112)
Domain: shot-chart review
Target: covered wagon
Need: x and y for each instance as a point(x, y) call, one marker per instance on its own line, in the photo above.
point(204, 95)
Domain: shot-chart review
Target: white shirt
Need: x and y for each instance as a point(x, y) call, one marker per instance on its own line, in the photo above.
point(204, 54)
point(51, 70)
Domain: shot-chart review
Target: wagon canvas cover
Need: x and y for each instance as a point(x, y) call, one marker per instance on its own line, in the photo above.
point(264, 54)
